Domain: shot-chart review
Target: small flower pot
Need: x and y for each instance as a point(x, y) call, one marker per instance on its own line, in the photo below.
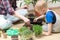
point(15, 37)
point(4, 35)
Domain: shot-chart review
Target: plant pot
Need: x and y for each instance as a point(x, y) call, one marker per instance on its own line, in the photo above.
point(26, 38)
point(38, 36)
point(4, 35)
point(15, 37)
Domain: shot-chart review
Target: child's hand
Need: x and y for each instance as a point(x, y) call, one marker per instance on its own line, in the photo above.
point(35, 20)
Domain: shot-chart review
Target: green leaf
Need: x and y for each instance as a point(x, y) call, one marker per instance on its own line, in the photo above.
point(54, 1)
point(27, 1)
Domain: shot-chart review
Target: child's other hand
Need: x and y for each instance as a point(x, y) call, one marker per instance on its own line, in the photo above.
point(35, 20)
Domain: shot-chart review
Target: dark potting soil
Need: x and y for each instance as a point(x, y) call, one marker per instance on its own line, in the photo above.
point(39, 21)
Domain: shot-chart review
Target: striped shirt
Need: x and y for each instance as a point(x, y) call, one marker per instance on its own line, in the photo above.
point(5, 7)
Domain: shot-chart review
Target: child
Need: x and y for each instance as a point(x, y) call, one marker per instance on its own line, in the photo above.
point(52, 19)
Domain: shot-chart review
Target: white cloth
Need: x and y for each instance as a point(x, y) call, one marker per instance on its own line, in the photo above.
point(4, 24)
point(57, 24)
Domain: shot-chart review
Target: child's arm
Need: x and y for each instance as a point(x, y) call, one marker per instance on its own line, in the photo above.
point(50, 25)
point(40, 17)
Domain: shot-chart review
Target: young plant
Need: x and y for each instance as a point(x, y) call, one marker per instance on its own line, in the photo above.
point(25, 33)
point(22, 29)
point(37, 30)
point(27, 1)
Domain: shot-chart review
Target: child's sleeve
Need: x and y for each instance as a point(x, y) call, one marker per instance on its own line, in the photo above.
point(49, 17)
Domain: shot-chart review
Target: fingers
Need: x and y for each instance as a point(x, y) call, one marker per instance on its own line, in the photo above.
point(27, 24)
point(35, 20)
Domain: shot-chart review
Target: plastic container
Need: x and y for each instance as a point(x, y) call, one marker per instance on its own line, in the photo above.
point(12, 32)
